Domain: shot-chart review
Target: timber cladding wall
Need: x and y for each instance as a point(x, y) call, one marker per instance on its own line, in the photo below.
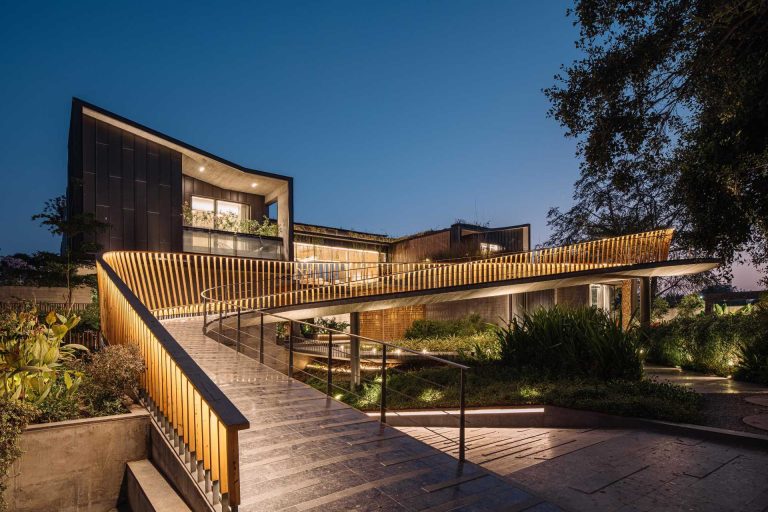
point(389, 324)
point(491, 309)
point(129, 182)
point(573, 295)
point(421, 247)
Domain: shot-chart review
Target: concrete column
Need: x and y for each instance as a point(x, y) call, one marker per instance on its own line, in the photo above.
point(645, 301)
point(354, 350)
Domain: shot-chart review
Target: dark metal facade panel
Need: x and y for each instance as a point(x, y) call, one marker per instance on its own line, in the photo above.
point(88, 196)
point(140, 159)
point(177, 228)
point(89, 145)
point(102, 174)
point(128, 159)
point(153, 232)
point(140, 216)
point(131, 183)
point(153, 177)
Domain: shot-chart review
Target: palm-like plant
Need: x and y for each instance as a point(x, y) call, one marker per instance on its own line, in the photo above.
point(570, 342)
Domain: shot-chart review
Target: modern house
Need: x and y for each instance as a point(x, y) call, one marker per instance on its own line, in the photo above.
point(158, 193)
point(200, 249)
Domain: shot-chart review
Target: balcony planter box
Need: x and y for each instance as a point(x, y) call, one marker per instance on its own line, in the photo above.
point(76, 464)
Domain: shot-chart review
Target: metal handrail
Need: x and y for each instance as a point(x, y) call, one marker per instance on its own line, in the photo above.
point(237, 312)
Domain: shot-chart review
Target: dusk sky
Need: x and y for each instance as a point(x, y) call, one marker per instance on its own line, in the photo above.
point(392, 117)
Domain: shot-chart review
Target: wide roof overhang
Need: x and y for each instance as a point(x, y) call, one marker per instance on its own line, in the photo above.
point(604, 275)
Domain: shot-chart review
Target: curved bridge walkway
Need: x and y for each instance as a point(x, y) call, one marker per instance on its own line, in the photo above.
point(305, 451)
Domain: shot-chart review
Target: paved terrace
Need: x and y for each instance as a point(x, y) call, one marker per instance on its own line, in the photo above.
point(307, 452)
point(619, 470)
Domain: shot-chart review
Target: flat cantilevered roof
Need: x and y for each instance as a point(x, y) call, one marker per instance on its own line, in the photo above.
point(196, 162)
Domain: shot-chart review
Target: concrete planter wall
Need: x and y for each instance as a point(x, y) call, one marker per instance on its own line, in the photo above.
point(76, 465)
point(80, 295)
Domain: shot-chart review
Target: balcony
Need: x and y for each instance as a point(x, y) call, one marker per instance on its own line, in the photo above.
point(228, 233)
point(224, 243)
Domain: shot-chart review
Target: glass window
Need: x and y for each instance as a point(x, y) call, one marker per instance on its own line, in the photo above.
point(202, 204)
point(594, 296)
point(228, 208)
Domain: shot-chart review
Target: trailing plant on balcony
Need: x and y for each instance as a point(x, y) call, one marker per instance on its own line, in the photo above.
point(197, 218)
point(229, 222)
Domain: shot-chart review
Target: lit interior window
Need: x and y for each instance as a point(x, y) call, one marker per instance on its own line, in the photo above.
point(202, 204)
point(595, 295)
point(489, 247)
point(227, 208)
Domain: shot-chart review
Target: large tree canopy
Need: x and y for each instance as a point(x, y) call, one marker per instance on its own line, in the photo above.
point(669, 104)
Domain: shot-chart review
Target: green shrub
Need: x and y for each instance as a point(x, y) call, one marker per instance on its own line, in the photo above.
point(659, 308)
point(452, 343)
point(112, 375)
point(14, 416)
point(712, 344)
point(497, 385)
point(58, 406)
point(33, 358)
point(690, 305)
point(570, 342)
point(753, 362)
point(89, 317)
point(466, 326)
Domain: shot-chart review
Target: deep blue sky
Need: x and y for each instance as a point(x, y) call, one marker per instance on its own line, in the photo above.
point(392, 117)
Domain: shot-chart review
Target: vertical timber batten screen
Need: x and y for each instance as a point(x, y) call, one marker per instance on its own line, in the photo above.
point(171, 284)
point(198, 417)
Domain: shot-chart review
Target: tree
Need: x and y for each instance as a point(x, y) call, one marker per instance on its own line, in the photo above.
point(669, 108)
point(78, 232)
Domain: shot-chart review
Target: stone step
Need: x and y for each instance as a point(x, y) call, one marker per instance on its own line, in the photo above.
point(148, 491)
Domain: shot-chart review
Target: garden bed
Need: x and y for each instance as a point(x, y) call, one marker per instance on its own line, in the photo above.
point(495, 385)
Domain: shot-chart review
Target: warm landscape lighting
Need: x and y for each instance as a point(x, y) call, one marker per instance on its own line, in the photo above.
point(253, 185)
point(201, 168)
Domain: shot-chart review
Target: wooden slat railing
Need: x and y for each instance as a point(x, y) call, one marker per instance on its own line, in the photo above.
point(198, 418)
point(170, 284)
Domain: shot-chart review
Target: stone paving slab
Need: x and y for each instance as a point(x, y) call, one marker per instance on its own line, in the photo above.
point(757, 400)
point(758, 421)
point(306, 452)
point(624, 470)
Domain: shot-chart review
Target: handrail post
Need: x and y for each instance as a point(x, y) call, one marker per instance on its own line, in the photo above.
point(383, 411)
point(261, 341)
point(205, 313)
point(462, 405)
point(238, 329)
point(290, 349)
point(221, 330)
point(329, 384)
